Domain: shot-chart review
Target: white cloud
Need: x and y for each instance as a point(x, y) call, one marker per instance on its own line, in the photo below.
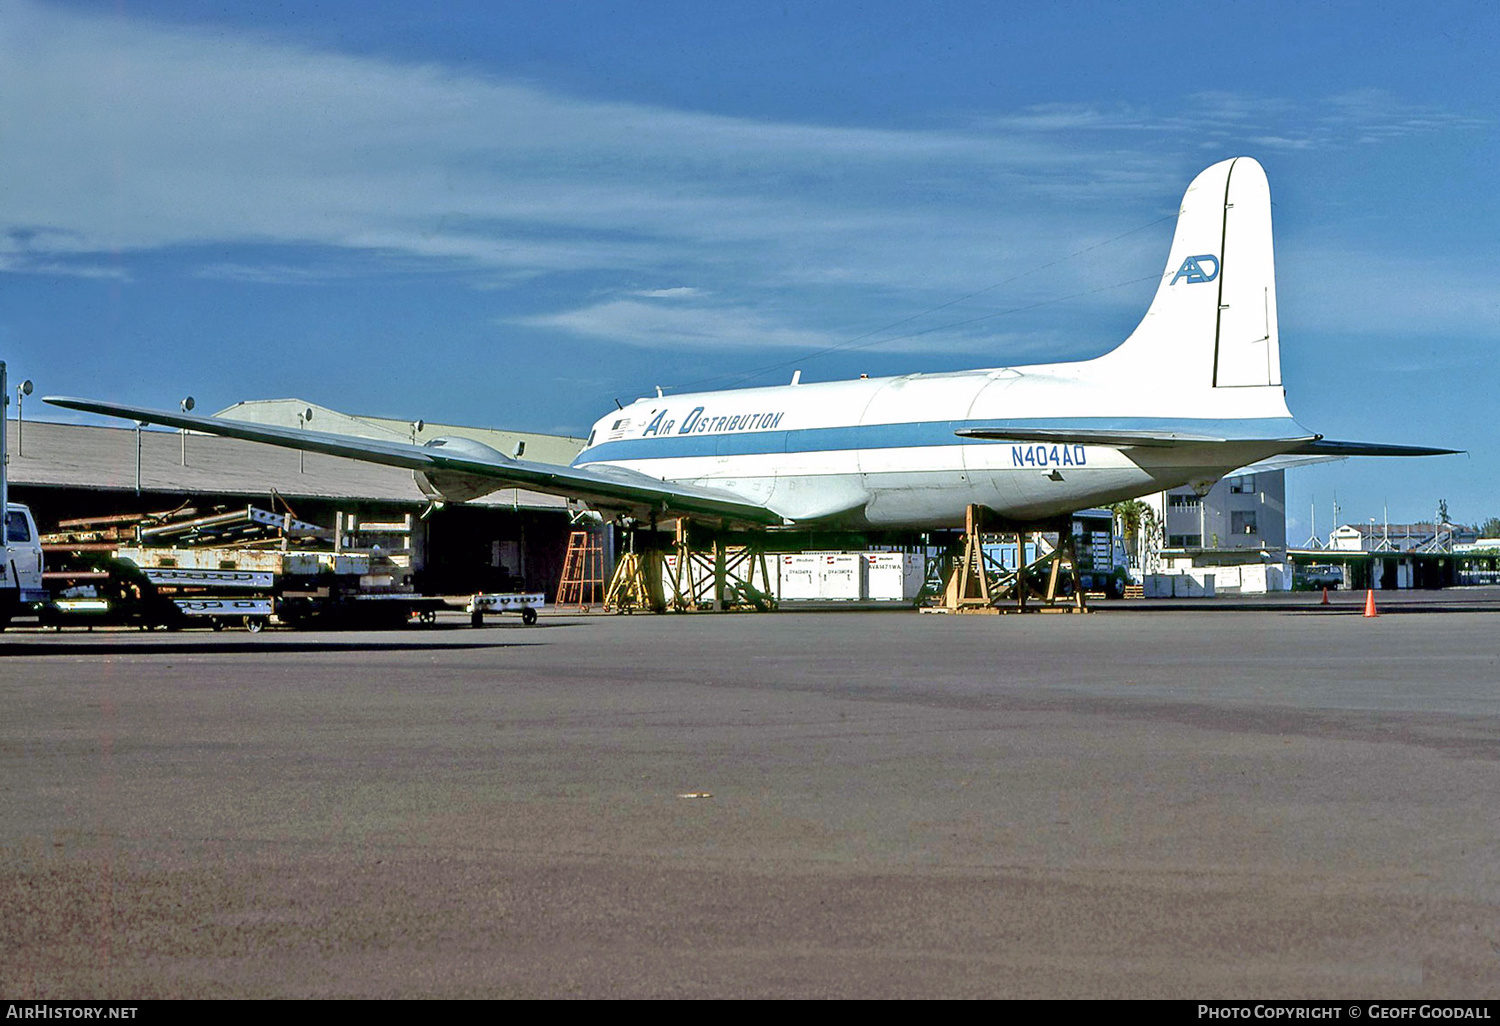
point(671, 326)
point(1374, 114)
point(1358, 292)
point(1354, 117)
point(1282, 142)
point(267, 274)
point(679, 292)
point(648, 325)
point(25, 264)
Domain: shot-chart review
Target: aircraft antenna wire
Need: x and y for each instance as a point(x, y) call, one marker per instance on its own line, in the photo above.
point(858, 341)
point(956, 324)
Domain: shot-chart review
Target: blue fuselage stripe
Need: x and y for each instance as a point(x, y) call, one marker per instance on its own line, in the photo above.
point(912, 435)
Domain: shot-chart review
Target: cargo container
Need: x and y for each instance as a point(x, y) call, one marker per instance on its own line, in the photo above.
point(894, 576)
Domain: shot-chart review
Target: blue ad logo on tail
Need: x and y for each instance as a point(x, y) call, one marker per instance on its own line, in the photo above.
point(1194, 271)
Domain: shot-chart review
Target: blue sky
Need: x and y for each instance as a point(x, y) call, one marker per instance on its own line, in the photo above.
point(514, 213)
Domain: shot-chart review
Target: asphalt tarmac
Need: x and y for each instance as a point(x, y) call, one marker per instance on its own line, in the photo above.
point(1277, 803)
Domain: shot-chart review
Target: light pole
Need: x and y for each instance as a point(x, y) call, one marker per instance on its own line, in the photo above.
point(186, 406)
point(302, 418)
point(416, 429)
point(22, 390)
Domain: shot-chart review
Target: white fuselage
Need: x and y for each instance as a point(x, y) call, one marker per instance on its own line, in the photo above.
point(882, 451)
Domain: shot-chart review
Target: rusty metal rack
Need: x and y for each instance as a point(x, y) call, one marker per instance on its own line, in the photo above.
point(187, 527)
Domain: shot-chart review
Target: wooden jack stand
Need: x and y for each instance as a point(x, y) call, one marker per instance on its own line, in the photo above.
point(969, 583)
point(1064, 556)
point(974, 584)
point(636, 583)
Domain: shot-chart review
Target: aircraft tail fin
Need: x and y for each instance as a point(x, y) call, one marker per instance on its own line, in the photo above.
point(1212, 323)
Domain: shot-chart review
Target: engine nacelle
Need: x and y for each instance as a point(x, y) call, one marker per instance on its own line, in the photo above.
point(455, 485)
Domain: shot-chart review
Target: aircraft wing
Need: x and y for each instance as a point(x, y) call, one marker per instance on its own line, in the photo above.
point(611, 488)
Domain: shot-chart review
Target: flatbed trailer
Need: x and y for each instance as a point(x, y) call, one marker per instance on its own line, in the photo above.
point(353, 610)
point(525, 603)
point(217, 598)
point(118, 592)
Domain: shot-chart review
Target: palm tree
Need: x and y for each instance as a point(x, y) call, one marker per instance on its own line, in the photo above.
point(1137, 522)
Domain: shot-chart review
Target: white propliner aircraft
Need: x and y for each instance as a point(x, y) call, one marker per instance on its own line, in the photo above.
point(1193, 394)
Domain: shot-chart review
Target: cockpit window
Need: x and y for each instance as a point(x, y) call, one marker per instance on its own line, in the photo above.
point(590, 441)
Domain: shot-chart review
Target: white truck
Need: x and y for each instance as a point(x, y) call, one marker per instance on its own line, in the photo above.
point(21, 574)
point(21, 566)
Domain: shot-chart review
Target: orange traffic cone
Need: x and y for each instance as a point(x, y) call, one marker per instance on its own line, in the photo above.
point(1325, 597)
point(1370, 603)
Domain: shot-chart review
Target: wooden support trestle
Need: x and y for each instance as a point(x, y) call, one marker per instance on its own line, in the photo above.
point(977, 582)
point(637, 582)
point(719, 577)
point(716, 576)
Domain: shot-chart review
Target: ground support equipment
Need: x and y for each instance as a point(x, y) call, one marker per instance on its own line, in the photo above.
point(525, 604)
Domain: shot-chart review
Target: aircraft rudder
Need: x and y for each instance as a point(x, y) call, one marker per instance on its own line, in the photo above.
point(1248, 346)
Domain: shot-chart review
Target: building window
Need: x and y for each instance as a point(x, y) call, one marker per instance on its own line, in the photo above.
point(1183, 501)
point(1242, 486)
point(1242, 522)
point(1184, 541)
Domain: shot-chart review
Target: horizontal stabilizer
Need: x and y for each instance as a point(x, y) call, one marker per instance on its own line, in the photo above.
point(1088, 436)
point(1311, 448)
point(1328, 447)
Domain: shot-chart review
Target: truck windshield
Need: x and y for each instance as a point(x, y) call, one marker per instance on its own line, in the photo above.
point(16, 529)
